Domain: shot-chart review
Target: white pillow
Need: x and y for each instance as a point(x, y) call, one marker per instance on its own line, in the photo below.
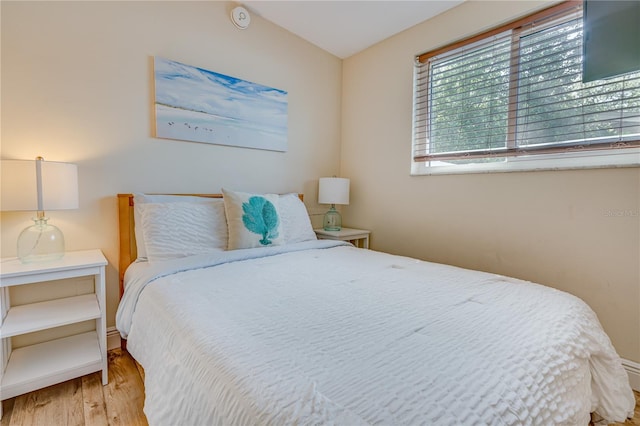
point(139, 199)
point(172, 230)
point(295, 219)
point(253, 220)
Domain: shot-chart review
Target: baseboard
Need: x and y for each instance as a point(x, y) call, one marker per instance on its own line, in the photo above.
point(113, 338)
point(633, 370)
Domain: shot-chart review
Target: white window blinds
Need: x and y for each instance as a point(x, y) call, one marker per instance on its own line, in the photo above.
point(519, 91)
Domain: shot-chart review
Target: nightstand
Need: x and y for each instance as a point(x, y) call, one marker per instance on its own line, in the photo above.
point(36, 366)
point(357, 237)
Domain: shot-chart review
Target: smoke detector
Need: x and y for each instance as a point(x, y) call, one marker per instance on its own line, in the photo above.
point(240, 17)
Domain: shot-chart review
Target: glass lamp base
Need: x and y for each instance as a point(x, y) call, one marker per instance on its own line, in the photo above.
point(40, 242)
point(332, 220)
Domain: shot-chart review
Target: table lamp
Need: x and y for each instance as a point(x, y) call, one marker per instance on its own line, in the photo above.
point(333, 191)
point(38, 186)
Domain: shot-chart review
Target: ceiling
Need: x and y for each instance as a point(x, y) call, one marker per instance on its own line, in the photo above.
point(346, 27)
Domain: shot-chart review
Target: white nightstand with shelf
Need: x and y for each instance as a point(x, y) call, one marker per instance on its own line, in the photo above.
point(36, 366)
point(357, 237)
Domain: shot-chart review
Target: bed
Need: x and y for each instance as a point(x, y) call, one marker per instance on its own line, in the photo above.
point(294, 330)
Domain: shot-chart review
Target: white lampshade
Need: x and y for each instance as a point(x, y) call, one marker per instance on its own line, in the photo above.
point(333, 190)
point(38, 186)
point(59, 185)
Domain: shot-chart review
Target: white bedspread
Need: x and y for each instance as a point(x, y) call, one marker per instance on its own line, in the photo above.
point(345, 336)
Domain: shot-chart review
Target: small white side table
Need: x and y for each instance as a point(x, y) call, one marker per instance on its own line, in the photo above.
point(357, 237)
point(33, 367)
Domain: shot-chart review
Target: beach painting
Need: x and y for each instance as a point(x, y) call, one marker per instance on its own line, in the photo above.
point(193, 104)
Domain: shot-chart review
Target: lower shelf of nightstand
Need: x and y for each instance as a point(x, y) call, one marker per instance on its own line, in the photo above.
point(45, 364)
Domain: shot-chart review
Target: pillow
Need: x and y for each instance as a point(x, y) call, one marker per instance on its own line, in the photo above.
point(139, 199)
point(253, 220)
point(172, 230)
point(296, 224)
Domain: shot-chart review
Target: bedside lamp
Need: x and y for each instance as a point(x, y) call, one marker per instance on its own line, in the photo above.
point(333, 191)
point(39, 185)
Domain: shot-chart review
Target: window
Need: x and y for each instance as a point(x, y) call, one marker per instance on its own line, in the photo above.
point(513, 99)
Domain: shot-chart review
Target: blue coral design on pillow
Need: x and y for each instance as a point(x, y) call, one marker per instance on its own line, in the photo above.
point(260, 217)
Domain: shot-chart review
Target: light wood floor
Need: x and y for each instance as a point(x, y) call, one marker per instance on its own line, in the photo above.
point(84, 401)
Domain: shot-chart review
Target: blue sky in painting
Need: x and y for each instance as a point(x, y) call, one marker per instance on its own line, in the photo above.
point(194, 89)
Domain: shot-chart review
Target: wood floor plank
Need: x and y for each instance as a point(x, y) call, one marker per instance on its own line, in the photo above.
point(95, 408)
point(60, 404)
point(124, 395)
point(7, 409)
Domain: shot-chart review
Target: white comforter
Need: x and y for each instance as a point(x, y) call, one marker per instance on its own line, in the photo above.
point(345, 336)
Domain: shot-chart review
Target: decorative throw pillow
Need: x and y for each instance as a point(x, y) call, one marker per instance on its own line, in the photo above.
point(253, 220)
point(295, 219)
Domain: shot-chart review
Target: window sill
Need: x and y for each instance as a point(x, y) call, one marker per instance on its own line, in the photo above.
point(628, 158)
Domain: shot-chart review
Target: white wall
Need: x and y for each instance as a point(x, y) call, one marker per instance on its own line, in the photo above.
point(578, 231)
point(77, 87)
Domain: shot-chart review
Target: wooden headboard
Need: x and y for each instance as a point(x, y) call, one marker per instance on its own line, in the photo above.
point(128, 249)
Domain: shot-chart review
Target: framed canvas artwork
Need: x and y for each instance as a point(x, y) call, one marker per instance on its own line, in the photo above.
point(197, 105)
